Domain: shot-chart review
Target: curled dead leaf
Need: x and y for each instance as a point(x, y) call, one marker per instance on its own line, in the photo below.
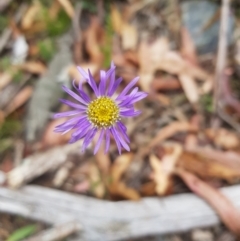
point(229, 214)
point(164, 168)
point(19, 100)
point(206, 167)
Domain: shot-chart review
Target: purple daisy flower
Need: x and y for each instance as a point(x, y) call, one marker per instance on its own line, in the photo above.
point(102, 114)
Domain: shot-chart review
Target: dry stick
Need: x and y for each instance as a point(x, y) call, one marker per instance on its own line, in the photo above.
point(58, 232)
point(222, 53)
point(40, 163)
point(111, 221)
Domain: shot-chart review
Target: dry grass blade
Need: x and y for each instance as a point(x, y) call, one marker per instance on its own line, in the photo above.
point(229, 214)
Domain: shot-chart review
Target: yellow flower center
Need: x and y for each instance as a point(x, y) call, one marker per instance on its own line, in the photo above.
point(103, 112)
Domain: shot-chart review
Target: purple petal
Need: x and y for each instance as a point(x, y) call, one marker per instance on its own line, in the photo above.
point(137, 97)
point(88, 138)
point(74, 105)
point(81, 91)
point(122, 141)
point(99, 142)
point(92, 83)
point(107, 141)
point(130, 113)
point(67, 113)
point(69, 123)
point(112, 78)
point(128, 87)
point(102, 85)
point(116, 140)
point(74, 95)
point(116, 84)
point(83, 72)
point(79, 134)
point(122, 130)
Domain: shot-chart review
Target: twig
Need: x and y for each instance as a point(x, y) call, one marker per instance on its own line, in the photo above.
point(222, 53)
point(58, 232)
point(109, 221)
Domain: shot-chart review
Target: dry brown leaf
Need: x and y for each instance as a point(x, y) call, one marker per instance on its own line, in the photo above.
point(31, 15)
point(51, 138)
point(117, 187)
point(116, 19)
point(121, 190)
point(228, 158)
point(33, 67)
point(188, 49)
point(163, 99)
point(190, 88)
point(223, 138)
point(148, 189)
point(206, 167)
point(120, 165)
point(164, 168)
point(67, 6)
point(129, 37)
point(150, 54)
point(92, 41)
point(169, 131)
point(165, 83)
point(5, 79)
point(173, 63)
point(97, 186)
point(19, 100)
point(229, 214)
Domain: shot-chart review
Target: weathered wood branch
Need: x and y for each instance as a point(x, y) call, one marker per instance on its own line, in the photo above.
point(40, 163)
point(109, 221)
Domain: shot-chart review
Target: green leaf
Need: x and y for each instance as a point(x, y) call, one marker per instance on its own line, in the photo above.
point(22, 233)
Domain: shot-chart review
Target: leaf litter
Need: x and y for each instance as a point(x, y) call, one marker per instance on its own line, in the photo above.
point(166, 143)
